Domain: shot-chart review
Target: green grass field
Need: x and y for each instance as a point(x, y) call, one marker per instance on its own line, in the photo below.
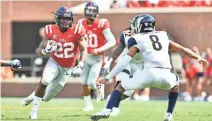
point(70, 110)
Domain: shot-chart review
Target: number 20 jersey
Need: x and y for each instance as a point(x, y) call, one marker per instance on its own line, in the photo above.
point(67, 51)
point(154, 47)
point(94, 32)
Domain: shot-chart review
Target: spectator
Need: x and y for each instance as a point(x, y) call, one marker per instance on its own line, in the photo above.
point(133, 4)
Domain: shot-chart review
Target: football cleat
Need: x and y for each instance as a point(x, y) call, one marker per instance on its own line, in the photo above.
point(88, 108)
point(33, 115)
point(115, 111)
point(26, 101)
point(104, 114)
point(168, 117)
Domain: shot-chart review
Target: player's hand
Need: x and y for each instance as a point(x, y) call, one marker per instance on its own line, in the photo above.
point(106, 67)
point(103, 81)
point(96, 52)
point(77, 70)
point(14, 64)
point(50, 46)
point(203, 62)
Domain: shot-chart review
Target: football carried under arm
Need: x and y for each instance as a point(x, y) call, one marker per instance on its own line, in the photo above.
point(187, 52)
point(46, 47)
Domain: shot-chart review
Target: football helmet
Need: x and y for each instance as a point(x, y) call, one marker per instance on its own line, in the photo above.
point(64, 18)
point(143, 23)
point(91, 10)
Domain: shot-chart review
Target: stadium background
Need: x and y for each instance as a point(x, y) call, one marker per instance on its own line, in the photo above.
point(21, 21)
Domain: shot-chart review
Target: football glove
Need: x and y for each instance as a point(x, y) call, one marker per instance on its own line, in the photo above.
point(50, 47)
point(77, 70)
point(14, 63)
point(106, 67)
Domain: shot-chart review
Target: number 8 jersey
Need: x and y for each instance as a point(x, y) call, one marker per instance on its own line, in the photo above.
point(67, 51)
point(154, 47)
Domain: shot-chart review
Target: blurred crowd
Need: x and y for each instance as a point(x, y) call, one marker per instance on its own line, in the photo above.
point(198, 78)
point(160, 3)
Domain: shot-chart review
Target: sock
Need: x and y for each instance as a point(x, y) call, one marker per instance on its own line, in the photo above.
point(172, 101)
point(36, 103)
point(31, 96)
point(115, 98)
point(88, 101)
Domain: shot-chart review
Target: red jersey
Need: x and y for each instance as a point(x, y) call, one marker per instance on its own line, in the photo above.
point(67, 51)
point(94, 32)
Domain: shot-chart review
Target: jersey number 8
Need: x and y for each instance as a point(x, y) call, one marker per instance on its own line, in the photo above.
point(155, 42)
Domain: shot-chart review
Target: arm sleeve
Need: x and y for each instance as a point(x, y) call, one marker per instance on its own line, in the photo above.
point(133, 42)
point(121, 65)
point(48, 31)
point(122, 39)
point(111, 41)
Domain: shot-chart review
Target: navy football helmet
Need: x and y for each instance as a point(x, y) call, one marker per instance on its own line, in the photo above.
point(143, 23)
point(64, 18)
point(91, 10)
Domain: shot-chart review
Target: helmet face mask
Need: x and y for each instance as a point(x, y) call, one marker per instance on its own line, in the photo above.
point(142, 23)
point(91, 10)
point(64, 18)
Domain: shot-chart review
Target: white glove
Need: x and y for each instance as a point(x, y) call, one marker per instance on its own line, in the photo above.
point(50, 47)
point(106, 67)
point(77, 70)
point(14, 63)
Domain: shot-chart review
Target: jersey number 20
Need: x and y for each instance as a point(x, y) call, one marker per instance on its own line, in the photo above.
point(155, 42)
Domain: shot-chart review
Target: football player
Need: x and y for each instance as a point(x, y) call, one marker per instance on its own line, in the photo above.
point(136, 63)
point(100, 39)
point(153, 46)
point(62, 41)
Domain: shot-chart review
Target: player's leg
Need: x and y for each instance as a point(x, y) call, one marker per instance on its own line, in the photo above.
point(166, 80)
point(26, 101)
point(93, 77)
point(57, 84)
point(86, 88)
point(199, 87)
point(126, 84)
point(209, 99)
point(50, 72)
point(145, 94)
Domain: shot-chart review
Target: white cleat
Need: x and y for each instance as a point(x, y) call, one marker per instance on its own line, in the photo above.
point(168, 117)
point(104, 114)
point(115, 111)
point(88, 108)
point(209, 99)
point(33, 115)
point(26, 101)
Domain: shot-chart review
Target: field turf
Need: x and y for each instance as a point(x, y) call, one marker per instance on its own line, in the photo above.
point(70, 110)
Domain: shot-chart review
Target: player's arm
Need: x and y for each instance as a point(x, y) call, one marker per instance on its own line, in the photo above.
point(11, 63)
point(46, 46)
point(40, 51)
point(133, 49)
point(83, 49)
point(186, 51)
point(116, 52)
point(83, 53)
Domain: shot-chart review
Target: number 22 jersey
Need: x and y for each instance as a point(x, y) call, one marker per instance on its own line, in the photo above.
point(154, 47)
point(67, 51)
